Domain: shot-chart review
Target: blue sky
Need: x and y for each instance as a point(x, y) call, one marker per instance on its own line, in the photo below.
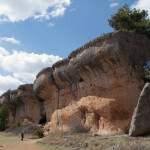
point(35, 34)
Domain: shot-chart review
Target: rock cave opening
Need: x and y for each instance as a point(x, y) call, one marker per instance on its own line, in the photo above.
point(81, 80)
point(43, 120)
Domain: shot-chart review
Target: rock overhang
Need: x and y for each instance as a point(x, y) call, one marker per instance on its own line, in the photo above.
point(103, 53)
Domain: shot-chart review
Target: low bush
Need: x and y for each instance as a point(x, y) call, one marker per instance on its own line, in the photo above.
point(147, 72)
point(18, 124)
point(39, 133)
point(127, 128)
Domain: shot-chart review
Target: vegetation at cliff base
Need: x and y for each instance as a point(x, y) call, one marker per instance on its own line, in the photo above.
point(39, 133)
point(127, 128)
point(3, 117)
point(147, 71)
point(131, 20)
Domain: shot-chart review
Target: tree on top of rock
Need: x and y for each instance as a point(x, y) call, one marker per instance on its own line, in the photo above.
point(131, 20)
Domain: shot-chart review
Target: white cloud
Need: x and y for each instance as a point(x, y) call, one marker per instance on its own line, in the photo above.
point(114, 4)
point(20, 10)
point(142, 4)
point(8, 82)
point(51, 24)
point(58, 11)
point(12, 40)
point(3, 52)
point(25, 66)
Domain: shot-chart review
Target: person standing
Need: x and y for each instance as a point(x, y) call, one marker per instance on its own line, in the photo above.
point(22, 135)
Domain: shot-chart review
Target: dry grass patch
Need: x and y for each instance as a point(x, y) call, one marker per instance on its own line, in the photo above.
point(85, 141)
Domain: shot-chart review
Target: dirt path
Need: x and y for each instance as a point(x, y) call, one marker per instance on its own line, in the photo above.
point(14, 143)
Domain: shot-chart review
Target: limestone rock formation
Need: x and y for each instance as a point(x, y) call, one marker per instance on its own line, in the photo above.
point(22, 104)
point(140, 124)
point(95, 89)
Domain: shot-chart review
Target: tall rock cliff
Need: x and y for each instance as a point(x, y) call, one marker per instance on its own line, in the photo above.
point(95, 89)
point(22, 104)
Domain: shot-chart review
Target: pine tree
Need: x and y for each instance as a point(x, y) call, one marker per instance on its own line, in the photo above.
point(131, 20)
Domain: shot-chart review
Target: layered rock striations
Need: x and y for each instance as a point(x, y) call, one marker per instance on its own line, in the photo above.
point(95, 89)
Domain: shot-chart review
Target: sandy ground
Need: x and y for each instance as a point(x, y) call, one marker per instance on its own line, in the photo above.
point(14, 143)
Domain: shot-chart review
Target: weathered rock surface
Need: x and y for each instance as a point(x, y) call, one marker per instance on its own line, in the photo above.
point(95, 89)
point(22, 104)
point(140, 124)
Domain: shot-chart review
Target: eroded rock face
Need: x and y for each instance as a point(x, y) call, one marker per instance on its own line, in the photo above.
point(22, 103)
point(5, 98)
point(97, 87)
point(140, 124)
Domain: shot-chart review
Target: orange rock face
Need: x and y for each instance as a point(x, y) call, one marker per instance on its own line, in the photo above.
point(95, 89)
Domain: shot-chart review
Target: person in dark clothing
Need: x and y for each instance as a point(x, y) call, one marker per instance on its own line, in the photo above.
point(22, 135)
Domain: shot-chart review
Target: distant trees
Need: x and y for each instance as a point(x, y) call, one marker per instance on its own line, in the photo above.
point(3, 117)
point(131, 20)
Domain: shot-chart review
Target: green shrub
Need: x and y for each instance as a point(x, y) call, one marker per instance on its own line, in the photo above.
point(18, 124)
point(39, 133)
point(127, 128)
point(147, 73)
point(3, 117)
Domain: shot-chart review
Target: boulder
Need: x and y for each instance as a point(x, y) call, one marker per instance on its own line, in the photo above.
point(140, 124)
